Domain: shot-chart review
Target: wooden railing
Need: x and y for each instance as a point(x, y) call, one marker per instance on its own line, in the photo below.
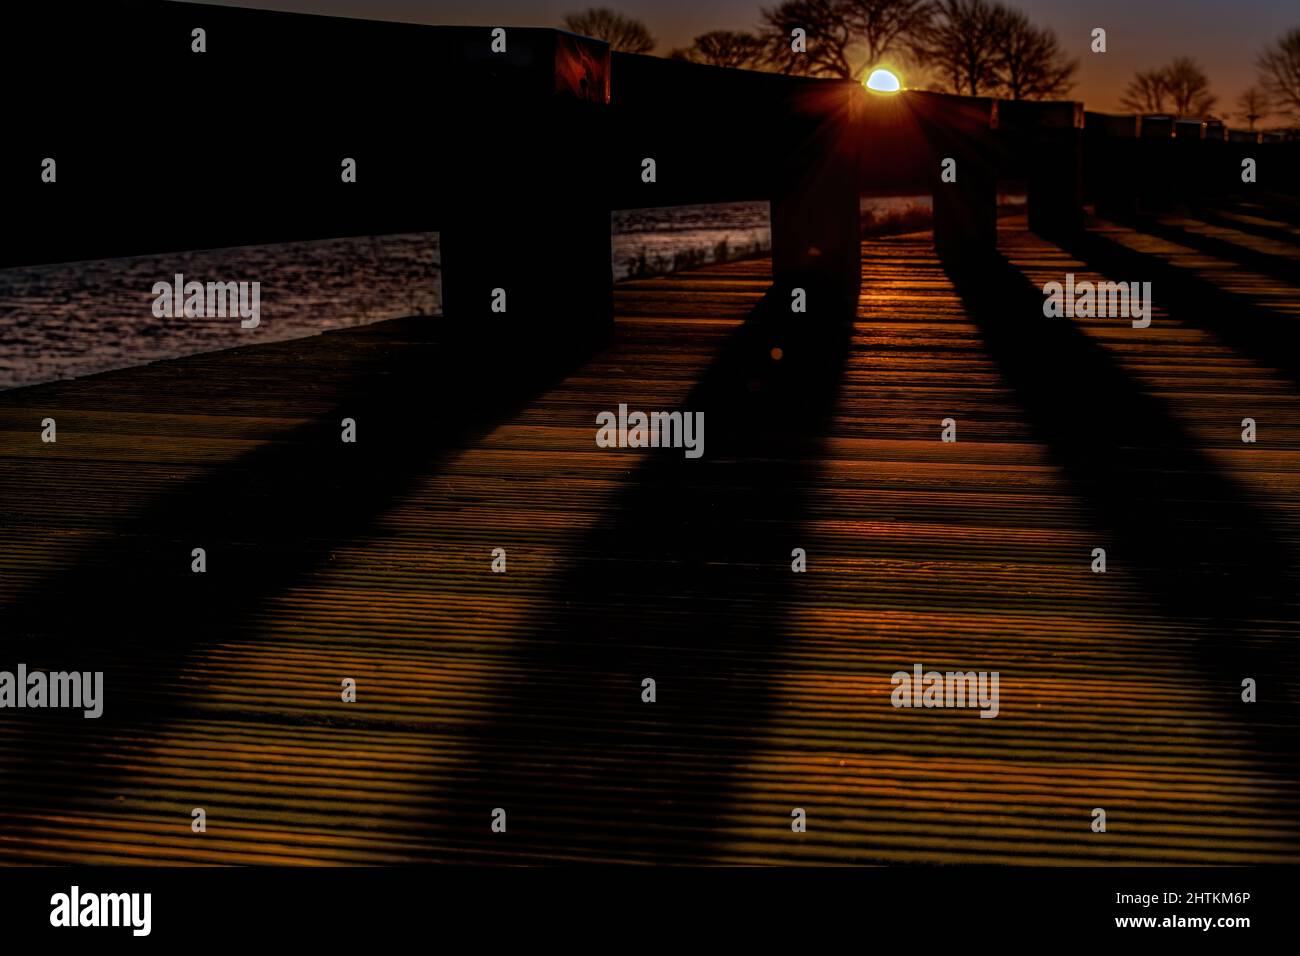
point(515, 144)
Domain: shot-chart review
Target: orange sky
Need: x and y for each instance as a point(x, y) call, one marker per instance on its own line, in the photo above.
point(1224, 36)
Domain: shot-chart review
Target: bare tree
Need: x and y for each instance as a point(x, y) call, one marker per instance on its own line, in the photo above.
point(960, 46)
point(1253, 105)
point(1279, 67)
point(845, 38)
point(1189, 88)
point(882, 26)
point(1146, 92)
point(623, 33)
point(723, 48)
point(1181, 88)
point(829, 40)
point(1030, 63)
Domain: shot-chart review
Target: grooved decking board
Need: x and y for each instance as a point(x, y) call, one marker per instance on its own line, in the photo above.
point(522, 690)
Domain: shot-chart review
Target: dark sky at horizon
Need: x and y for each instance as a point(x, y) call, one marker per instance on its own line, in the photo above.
point(1224, 37)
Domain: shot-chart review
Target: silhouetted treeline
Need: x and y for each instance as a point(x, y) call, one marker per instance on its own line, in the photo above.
point(973, 47)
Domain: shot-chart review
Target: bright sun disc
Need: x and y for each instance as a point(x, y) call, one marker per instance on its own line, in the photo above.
point(882, 81)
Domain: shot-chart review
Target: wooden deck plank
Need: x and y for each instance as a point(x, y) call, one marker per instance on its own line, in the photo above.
point(522, 690)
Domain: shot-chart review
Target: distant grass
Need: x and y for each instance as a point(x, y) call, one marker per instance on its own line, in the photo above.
point(916, 217)
point(643, 266)
point(912, 219)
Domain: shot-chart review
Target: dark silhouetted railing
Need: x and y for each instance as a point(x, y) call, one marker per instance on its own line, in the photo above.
point(515, 144)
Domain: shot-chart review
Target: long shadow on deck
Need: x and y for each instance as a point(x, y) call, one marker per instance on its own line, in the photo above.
point(1276, 211)
point(1204, 552)
point(687, 581)
point(1281, 267)
point(1268, 337)
point(131, 605)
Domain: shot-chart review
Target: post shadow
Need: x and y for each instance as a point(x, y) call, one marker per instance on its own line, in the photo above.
point(687, 580)
point(419, 391)
point(1278, 210)
point(1279, 267)
point(1268, 337)
point(1204, 552)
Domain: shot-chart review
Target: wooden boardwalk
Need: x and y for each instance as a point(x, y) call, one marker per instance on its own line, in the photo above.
point(523, 690)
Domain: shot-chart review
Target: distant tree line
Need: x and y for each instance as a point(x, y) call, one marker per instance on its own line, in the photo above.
point(622, 33)
point(980, 47)
point(1279, 74)
point(973, 47)
point(1181, 88)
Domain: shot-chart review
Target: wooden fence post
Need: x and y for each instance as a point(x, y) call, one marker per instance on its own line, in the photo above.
point(1046, 139)
point(525, 239)
point(816, 224)
point(1110, 167)
point(1157, 189)
point(963, 171)
point(722, 135)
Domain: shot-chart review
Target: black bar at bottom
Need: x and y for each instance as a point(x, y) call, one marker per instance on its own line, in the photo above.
point(385, 906)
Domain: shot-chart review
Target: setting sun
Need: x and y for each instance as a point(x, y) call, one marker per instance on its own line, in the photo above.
point(883, 81)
